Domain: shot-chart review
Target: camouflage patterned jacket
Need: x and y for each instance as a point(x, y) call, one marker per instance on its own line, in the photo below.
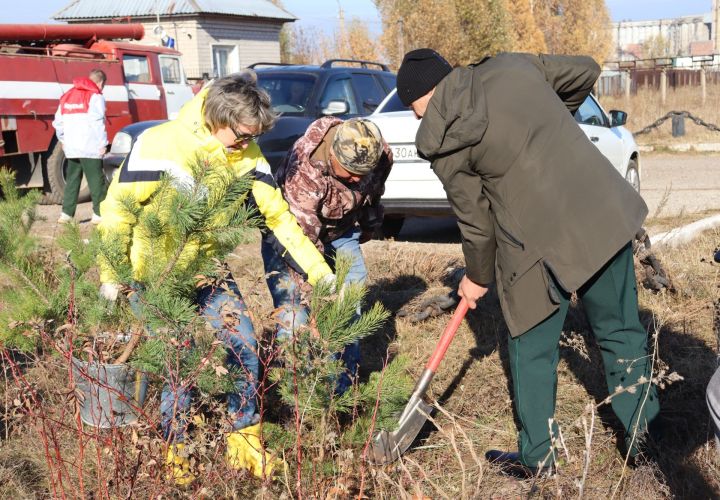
point(324, 206)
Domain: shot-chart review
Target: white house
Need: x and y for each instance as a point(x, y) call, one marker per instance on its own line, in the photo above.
point(216, 37)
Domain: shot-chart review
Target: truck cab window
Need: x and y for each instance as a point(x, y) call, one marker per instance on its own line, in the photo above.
point(137, 69)
point(170, 69)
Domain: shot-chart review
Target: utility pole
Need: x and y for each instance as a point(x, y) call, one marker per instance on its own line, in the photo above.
point(663, 86)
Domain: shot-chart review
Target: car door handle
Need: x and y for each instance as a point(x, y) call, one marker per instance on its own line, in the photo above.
point(595, 139)
point(172, 92)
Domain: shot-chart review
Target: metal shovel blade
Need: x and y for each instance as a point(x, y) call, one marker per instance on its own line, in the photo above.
point(388, 446)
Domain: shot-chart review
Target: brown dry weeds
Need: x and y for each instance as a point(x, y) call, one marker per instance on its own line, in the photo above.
point(646, 106)
point(471, 389)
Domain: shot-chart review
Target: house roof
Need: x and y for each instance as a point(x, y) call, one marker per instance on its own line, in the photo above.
point(103, 9)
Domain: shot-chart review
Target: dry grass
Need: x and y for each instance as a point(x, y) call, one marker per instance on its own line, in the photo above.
point(645, 107)
point(657, 225)
point(472, 386)
point(471, 391)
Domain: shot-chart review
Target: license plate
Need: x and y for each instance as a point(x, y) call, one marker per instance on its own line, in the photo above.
point(405, 153)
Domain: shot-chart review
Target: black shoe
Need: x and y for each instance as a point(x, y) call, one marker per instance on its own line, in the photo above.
point(510, 464)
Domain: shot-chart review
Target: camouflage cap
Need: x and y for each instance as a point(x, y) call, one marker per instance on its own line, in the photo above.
point(358, 145)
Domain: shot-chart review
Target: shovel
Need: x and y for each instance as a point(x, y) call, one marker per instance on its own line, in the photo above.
point(388, 446)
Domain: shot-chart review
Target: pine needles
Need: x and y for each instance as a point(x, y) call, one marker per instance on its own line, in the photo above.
point(188, 227)
point(307, 380)
point(26, 291)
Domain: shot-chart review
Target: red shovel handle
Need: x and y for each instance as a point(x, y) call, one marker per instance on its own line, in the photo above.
point(447, 336)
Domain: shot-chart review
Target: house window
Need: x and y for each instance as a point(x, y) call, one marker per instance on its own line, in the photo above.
point(225, 60)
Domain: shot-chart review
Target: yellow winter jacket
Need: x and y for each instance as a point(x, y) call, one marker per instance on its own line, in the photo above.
point(172, 148)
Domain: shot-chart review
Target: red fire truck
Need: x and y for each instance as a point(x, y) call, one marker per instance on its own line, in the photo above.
point(38, 64)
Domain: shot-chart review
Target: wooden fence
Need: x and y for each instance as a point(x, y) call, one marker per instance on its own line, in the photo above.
point(628, 81)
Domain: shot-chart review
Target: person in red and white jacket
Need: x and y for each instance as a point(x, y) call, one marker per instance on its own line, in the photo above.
point(80, 127)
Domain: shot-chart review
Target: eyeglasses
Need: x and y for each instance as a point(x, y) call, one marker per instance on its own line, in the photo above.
point(243, 137)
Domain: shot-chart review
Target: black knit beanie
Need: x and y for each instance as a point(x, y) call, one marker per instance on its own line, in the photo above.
point(421, 70)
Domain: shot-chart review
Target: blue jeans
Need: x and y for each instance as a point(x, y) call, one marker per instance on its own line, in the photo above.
point(242, 357)
point(292, 313)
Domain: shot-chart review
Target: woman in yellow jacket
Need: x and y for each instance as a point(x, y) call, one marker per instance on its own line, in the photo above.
point(220, 125)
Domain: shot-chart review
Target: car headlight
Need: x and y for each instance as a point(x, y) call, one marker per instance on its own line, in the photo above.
point(121, 144)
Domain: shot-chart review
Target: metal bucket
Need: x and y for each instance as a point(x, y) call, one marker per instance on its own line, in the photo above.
point(111, 393)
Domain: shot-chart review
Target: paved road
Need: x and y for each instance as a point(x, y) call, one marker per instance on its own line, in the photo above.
point(688, 183)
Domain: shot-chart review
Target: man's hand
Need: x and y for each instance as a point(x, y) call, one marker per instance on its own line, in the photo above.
point(471, 292)
point(109, 291)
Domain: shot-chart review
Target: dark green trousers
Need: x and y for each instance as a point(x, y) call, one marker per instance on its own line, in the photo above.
point(610, 302)
point(93, 170)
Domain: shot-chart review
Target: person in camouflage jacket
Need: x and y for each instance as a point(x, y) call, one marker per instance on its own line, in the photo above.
point(332, 179)
point(326, 204)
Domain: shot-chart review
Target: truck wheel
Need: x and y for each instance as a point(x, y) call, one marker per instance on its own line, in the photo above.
point(633, 175)
point(391, 226)
point(56, 166)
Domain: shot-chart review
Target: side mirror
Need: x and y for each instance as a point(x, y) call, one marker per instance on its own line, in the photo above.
point(339, 107)
point(618, 118)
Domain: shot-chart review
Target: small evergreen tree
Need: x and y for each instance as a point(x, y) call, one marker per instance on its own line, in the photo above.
point(307, 379)
point(25, 286)
point(184, 219)
point(42, 291)
point(209, 209)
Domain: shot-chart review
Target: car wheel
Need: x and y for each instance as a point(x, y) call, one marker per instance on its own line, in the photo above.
point(391, 226)
point(56, 168)
point(633, 175)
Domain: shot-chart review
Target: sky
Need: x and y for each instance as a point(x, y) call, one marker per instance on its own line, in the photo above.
point(323, 14)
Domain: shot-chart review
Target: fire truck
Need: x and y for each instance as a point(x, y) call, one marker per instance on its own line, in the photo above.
point(38, 64)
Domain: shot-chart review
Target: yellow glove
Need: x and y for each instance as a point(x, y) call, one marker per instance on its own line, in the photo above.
point(244, 451)
point(178, 465)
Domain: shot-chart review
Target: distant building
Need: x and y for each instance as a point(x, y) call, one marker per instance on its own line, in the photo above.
point(716, 25)
point(682, 37)
point(679, 35)
point(215, 37)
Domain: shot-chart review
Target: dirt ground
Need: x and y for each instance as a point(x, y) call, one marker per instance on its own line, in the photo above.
point(472, 385)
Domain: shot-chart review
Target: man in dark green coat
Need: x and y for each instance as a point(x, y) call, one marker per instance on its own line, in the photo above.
point(543, 214)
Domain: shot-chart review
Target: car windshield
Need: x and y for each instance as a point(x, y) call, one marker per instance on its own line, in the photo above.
point(289, 93)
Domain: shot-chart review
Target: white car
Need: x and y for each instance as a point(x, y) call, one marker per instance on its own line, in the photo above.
point(413, 188)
